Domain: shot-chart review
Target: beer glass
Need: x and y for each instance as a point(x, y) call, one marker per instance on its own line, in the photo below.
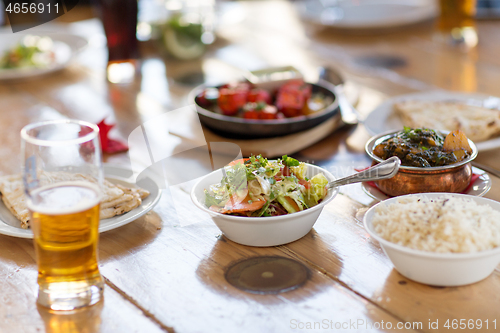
point(456, 21)
point(62, 174)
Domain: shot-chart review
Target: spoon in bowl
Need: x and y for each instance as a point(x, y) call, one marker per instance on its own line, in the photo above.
point(384, 170)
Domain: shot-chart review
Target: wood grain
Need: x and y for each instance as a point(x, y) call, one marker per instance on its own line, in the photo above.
point(165, 271)
point(19, 312)
point(185, 265)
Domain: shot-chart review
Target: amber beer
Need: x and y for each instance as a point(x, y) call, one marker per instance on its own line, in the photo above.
point(456, 14)
point(65, 223)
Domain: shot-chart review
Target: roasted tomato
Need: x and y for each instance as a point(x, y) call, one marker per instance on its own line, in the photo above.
point(251, 111)
point(290, 101)
point(259, 95)
point(299, 84)
point(231, 100)
point(268, 112)
point(292, 97)
point(259, 110)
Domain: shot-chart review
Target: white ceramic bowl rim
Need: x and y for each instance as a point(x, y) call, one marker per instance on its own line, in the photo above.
point(245, 219)
point(427, 254)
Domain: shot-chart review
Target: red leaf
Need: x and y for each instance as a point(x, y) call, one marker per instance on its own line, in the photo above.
point(108, 145)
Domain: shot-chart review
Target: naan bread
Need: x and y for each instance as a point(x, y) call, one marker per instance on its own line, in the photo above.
point(121, 208)
point(116, 199)
point(476, 122)
point(15, 200)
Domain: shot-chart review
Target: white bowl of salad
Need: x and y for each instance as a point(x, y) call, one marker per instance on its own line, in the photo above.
point(258, 202)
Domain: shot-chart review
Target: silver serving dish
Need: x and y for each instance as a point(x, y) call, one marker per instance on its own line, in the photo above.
point(256, 128)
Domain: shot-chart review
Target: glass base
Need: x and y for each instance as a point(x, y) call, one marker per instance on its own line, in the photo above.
point(66, 296)
point(466, 37)
point(121, 71)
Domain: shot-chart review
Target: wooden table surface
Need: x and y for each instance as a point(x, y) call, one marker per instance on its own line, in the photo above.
point(165, 271)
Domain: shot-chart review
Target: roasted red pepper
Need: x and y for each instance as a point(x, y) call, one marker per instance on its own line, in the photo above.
point(292, 97)
point(259, 95)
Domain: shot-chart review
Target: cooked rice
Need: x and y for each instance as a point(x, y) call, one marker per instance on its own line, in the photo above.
point(442, 224)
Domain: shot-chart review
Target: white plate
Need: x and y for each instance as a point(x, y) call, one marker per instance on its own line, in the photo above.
point(366, 14)
point(10, 225)
point(66, 46)
point(383, 118)
point(480, 187)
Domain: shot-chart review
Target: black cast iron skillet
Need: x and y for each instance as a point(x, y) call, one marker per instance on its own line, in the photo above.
point(241, 128)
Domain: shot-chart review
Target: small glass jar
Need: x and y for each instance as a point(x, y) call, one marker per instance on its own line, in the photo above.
point(188, 28)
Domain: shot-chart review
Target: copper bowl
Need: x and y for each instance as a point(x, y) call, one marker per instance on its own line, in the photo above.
point(452, 178)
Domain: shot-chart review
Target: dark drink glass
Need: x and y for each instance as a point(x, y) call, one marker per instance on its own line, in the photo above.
point(119, 18)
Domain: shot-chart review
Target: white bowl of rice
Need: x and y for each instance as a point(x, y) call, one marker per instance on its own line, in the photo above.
point(439, 239)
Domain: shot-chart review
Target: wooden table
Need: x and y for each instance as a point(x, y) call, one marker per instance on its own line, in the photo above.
point(165, 271)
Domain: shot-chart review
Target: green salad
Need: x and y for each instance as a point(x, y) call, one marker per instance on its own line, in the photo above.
point(257, 187)
point(31, 51)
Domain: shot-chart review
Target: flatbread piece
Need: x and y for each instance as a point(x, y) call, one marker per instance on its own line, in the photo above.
point(478, 123)
point(116, 200)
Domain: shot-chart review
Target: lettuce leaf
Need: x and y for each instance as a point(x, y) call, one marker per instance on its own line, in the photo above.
point(317, 191)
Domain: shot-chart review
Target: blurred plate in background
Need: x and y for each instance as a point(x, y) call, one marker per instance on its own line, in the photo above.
point(366, 14)
point(65, 48)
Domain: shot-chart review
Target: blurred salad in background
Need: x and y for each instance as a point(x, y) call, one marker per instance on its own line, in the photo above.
point(31, 51)
point(188, 28)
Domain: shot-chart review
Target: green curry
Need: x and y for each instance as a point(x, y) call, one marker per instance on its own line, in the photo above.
point(421, 147)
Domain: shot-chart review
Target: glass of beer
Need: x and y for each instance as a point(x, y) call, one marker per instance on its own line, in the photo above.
point(62, 174)
point(456, 21)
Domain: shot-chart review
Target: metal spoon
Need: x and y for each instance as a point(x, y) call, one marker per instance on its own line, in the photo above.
point(348, 113)
point(383, 170)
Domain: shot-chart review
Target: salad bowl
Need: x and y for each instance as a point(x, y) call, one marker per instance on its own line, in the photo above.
point(263, 231)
